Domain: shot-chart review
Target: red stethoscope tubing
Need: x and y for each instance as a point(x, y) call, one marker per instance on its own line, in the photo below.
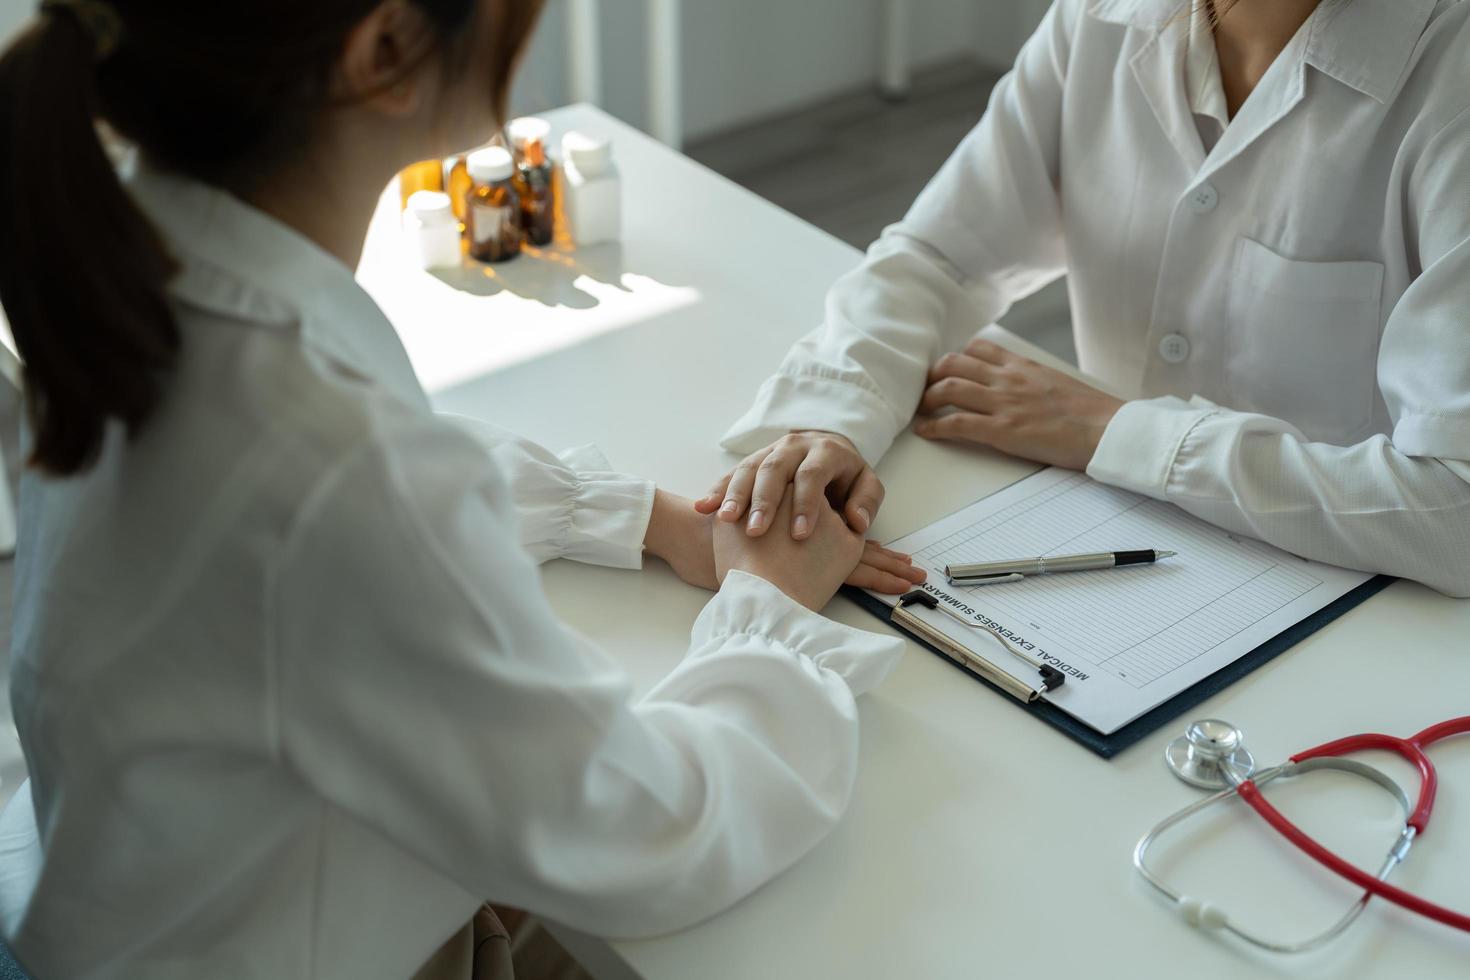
point(1411, 749)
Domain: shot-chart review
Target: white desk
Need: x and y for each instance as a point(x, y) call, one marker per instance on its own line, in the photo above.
point(980, 842)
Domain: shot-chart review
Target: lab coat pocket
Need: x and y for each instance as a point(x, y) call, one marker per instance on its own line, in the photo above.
point(1304, 340)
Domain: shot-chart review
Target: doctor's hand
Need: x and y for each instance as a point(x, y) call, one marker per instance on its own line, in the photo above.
point(1013, 404)
point(685, 540)
point(809, 570)
point(819, 467)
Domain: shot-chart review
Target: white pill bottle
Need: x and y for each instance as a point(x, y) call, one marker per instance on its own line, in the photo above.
point(592, 190)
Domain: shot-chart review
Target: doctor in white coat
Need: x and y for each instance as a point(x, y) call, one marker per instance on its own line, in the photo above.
point(1263, 211)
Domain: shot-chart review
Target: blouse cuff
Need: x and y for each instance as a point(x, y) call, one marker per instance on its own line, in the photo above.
point(796, 402)
point(1141, 443)
point(610, 512)
point(747, 604)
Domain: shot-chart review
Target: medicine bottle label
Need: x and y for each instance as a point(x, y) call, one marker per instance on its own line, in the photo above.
point(489, 223)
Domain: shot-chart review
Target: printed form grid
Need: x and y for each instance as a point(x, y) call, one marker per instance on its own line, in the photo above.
point(1138, 623)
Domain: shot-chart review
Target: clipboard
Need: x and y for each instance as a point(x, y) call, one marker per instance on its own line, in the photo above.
point(1108, 746)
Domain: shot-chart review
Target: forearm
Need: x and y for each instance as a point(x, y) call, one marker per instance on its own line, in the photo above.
point(861, 373)
point(1366, 506)
point(984, 232)
point(627, 816)
point(755, 736)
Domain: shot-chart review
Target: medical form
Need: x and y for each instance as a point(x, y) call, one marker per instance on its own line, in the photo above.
point(1127, 639)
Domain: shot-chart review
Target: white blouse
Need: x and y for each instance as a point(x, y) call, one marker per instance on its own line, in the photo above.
point(292, 699)
point(1292, 303)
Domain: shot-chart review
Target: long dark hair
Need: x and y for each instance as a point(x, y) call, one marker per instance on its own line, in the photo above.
point(219, 92)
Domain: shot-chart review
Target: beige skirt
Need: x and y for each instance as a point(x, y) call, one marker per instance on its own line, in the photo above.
point(479, 951)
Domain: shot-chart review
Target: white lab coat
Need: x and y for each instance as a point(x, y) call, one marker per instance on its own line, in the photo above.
point(294, 703)
point(1293, 304)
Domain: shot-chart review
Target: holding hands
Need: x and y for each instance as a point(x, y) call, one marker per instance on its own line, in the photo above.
point(814, 472)
point(800, 484)
point(819, 495)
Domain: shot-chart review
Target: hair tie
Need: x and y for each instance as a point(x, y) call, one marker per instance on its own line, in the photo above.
point(97, 17)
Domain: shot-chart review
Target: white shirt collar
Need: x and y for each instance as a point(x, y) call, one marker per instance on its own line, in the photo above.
point(239, 261)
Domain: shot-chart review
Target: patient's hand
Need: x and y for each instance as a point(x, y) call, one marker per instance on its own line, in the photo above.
point(1013, 404)
point(809, 571)
point(816, 465)
point(685, 540)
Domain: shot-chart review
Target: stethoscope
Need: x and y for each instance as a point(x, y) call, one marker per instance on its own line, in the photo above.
point(1212, 755)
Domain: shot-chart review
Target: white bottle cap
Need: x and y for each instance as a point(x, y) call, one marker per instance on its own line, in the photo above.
point(589, 154)
point(430, 207)
point(489, 165)
point(525, 129)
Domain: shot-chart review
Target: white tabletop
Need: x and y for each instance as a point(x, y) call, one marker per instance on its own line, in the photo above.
point(980, 841)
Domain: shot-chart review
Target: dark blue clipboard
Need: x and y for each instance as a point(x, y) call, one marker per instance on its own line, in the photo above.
point(1108, 746)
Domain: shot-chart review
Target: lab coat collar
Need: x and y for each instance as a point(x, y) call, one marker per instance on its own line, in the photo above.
point(1159, 68)
point(1365, 44)
point(239, 261)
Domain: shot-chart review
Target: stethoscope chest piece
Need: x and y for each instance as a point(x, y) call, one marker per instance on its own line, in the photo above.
point(1210, 755)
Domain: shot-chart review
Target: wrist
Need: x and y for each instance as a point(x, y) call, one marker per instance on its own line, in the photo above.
point(793, 589)
point(829, 434)
point(1101, 420)
point(682, 538)
point(659, 538)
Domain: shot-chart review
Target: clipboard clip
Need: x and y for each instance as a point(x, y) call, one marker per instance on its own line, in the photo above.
point(1051, 678)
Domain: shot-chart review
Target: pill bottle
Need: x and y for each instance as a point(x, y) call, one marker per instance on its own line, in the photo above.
point(593, 191)
point(492, 207)
point(430, 220)
point(522, 131)
point(457, 184)
point(537, 189)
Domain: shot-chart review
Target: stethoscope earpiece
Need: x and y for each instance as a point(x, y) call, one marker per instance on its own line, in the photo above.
point(1201, 914)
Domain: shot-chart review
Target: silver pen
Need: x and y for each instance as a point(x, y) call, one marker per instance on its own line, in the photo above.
point(996, 572)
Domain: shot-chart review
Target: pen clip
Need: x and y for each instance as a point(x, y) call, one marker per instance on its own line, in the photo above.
point(985, 579)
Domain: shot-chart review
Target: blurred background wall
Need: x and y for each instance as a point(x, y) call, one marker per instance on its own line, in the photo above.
point(749, 59)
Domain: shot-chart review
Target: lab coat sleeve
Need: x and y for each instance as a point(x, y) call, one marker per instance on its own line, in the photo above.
point(572, 505)
point(984, 233)
point(446, 707)
point(1398, 504)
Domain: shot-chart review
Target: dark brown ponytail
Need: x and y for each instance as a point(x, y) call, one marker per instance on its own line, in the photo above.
point(82, 273)
point(222, 93)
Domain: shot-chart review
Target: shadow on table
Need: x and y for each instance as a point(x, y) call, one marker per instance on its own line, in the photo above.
point(547, 275)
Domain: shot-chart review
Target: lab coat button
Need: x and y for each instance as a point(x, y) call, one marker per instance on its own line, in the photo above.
point(1204, 199)
point(1174, 348)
